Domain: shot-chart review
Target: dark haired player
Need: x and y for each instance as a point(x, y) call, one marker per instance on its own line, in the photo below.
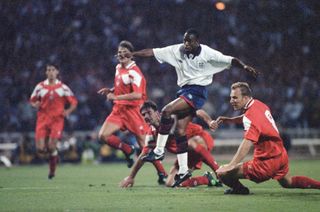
point(50, 97)
point(195, 64)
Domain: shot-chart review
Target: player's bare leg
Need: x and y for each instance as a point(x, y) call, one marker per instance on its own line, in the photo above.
point(53, 156)
point(299, 182)
point(106, 135)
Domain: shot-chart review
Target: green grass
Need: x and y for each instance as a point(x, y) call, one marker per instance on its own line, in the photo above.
point(95, 188)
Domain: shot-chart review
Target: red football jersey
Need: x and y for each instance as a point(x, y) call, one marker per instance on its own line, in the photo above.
point(53, 98)
point(127, 80)
point(261, 129)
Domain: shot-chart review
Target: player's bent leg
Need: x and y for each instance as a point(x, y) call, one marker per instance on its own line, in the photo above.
point(231, 178)
point(106, 135)
point(198, 145)
point(302, 182)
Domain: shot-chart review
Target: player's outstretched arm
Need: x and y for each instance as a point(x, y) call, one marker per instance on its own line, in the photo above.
point(129, 180)
point(238, 63)
point(143, 53)
point(229, 120)
point(213, 125)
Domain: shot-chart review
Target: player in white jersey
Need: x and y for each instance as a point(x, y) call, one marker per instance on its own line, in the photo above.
point(195, 65)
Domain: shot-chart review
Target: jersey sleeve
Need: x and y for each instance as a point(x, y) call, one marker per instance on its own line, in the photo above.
point(69, 95)
point(166, 55)
point(252, 131)
point(216, 58)
point(137, 81)
point(35, 94)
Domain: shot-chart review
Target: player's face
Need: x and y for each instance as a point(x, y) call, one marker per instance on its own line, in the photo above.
point(52, 72)
point(238, 101)
point(150, 116)
point(190, 42)
point(124, 56)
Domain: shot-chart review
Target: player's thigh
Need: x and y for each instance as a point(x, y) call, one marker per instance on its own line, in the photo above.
point(108, 128)
point(141, 139)
point(194, 141)
point(175, 106)
point(56, 128)
point(182, 125)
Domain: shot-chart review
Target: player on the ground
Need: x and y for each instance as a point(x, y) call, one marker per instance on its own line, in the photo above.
point(128, 94)
point(50, 98)
point(270, 159)
point(200, 144)
point(195, 64)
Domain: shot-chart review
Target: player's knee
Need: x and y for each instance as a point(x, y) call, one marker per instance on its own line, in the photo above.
point(167, 111)
point(103, 136)
point(285, 183)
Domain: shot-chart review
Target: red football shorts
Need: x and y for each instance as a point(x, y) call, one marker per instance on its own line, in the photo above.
point(262, 170)
point(48, 127)
point(128, 118)
point(194, 161)
point(208, 139)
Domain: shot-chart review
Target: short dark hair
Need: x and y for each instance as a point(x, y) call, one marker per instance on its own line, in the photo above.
point(54, 65)
point(126, 44)
point(244, 88)
point(149, 104)
point(193, 32)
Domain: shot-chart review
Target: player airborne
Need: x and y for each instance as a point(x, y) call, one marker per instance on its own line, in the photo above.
point(195, 64)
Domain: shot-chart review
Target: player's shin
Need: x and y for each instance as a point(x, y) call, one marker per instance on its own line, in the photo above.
point(164, 130)
point(182, 154)
point(53, 160)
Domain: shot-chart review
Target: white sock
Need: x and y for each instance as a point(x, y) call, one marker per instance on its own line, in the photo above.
point(161, 143)
point(183, 162)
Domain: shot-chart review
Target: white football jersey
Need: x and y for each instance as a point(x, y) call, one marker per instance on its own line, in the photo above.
point(193, 71)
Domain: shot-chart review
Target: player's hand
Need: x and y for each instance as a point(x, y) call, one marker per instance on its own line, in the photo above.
point(252, 71)
point(221, 119)
point(213, 125)
point(223, 169)
point(127, 182)
point(36, 104)
point(105, 91)
point(111, 96)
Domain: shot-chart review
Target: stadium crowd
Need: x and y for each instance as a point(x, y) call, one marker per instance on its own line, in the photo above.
point(280, 38)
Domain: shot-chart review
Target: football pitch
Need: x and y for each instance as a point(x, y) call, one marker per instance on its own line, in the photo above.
point(95, 188)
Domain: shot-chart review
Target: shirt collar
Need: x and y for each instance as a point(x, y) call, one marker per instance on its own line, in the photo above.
point(193, 53)
point(46, 82)
point(249, 103)
point(130, 64)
